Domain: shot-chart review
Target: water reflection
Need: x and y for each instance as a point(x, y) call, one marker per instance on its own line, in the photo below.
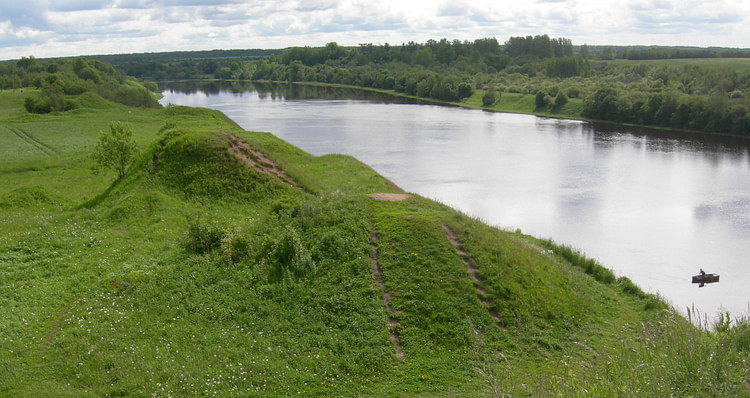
point(653, 205)
point(284, 91)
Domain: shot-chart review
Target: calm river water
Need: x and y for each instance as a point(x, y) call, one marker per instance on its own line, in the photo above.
point(652, 206)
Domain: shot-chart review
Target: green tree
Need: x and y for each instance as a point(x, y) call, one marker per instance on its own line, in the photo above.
point(560, 99)
point(489, 98)
point(541, 100)
point(49, 99)
point(115, 149)
point(422, 57)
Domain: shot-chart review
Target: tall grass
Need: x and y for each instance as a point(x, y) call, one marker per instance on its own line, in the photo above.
point(673, 358)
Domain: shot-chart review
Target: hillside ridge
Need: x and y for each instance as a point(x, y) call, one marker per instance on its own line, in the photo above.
point(205, 271)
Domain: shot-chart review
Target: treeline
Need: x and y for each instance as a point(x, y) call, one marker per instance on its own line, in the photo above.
point(484, 55)
point(703, 97)
point(223, 69)
point(416, 81)
point(658, 52)
point(59, 80)
point(442, 70)
point(709, 95)
point(117, 60)
point(181, 65)
point(713, 111)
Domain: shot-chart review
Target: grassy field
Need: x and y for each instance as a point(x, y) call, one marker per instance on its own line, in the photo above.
point(201, 273)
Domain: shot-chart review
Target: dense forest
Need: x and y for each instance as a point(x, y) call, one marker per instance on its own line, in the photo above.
point(701, 89)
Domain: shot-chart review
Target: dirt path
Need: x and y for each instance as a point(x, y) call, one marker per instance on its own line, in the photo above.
point(257, 160)
point(472, 270)
point(377, 275)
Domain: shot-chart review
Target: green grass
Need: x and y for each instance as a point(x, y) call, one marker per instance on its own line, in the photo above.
point(507, 102)
point(201, 276)
point(524, 103)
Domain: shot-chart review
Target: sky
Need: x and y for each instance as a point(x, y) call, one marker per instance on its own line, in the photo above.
point(59, 28)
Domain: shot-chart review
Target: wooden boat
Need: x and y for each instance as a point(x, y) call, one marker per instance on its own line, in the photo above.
point(704, 278)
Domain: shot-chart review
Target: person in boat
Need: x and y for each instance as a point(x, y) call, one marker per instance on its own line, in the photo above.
point(703, 273)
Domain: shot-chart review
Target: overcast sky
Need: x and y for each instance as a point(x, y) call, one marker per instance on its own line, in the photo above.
point(52, 28)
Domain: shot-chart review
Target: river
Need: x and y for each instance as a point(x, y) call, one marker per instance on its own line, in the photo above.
point(651, 205)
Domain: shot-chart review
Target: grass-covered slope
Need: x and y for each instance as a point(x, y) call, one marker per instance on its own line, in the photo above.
point(231, 263)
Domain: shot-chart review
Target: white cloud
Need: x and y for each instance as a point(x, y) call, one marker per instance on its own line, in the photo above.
point(72, 27)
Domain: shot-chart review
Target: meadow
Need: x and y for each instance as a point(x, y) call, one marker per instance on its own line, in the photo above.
point(202, 272)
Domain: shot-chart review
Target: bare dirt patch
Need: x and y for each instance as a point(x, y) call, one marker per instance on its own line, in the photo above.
point(257, 160)
point(389, 197)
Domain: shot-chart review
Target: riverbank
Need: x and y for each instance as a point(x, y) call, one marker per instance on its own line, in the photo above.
point(206, 270)
point(515, 103)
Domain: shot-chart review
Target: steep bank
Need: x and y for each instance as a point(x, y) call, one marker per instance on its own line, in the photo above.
point(201, 272)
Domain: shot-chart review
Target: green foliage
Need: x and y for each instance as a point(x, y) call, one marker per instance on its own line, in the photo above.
point(569, 66)
point(489, 98)
point(540, 46)
point(603, 104)
point(202, 237)
point(115, 150)
point(269, 291)
point(541, 99)
point(286, 257)
point(560, 99)
point(72, 77)
point(702, 95)
point(151, 86)
point(50, 99)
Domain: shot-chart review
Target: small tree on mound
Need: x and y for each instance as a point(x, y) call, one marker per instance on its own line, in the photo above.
point(115, 149)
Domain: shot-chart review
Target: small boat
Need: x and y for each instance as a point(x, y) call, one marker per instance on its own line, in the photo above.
point(704, 278)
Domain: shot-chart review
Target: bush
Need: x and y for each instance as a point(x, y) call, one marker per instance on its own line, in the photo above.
point(541, 100)
point(151, 86)
point(489, 98)
point(201, 237)
point(465, 90)
point(235, 246)
point(561, 99)
point(574, 92)
point(287, 258)
point(50, 99)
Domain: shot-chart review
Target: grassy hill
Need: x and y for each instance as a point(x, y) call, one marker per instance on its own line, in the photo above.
point(230, 263)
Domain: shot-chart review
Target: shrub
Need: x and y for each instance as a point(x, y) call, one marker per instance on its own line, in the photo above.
point(541, 100)
point(561, 99)
point(287, 258)
point(489, 98)
point(201, 237)
point(151, 86)
point(234, 246)
point(50, 99)
point(465, 90)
